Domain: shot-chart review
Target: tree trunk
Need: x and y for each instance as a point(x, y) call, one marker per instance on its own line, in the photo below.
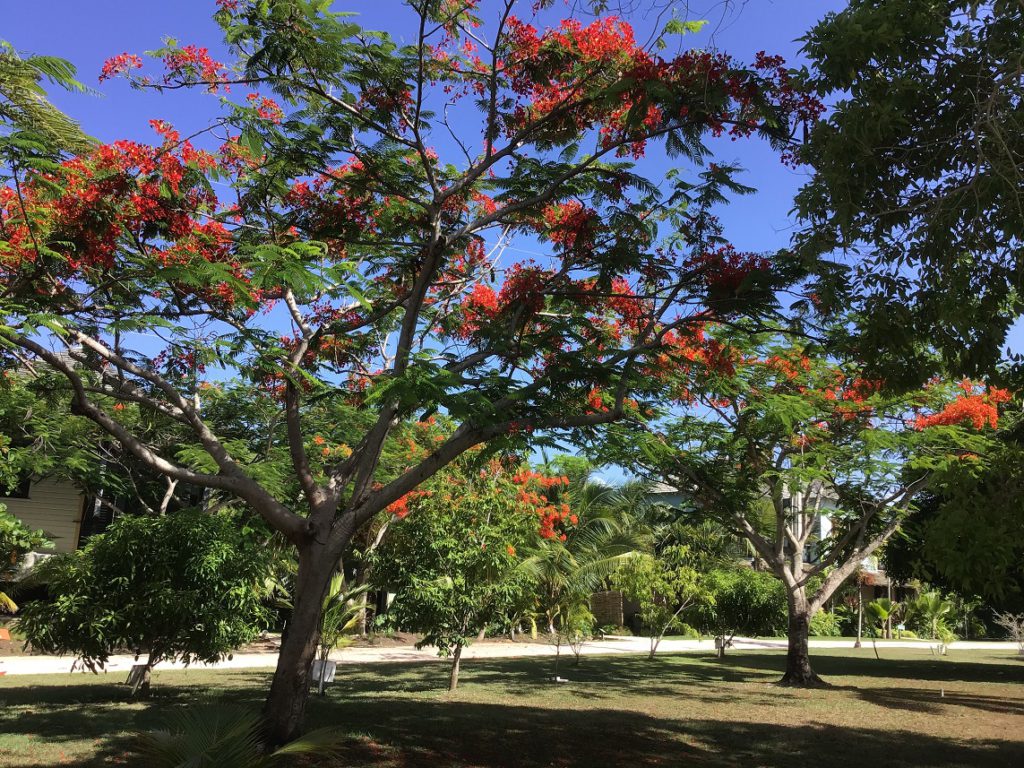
point(798, 660)
point(285, 706)
point(453, 677)
point(860, 615)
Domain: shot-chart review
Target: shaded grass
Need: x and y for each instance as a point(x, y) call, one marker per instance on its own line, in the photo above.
point(909, 708)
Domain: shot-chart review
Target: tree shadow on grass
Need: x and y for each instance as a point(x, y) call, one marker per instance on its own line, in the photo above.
point(937, 702)
point(938, 669)
point(403, 734)
point(391, 723)
point(593, 678)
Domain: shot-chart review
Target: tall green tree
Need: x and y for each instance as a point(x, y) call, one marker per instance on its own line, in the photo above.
point(360, 254)
point(916, 193)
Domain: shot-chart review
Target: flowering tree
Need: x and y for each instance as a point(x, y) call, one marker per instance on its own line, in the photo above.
point(454, 559)
point(813, 465)
point(360, 255)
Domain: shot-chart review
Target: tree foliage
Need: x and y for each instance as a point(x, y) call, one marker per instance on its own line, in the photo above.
point(185, 587)
point(16, 541)
point(376, 180)
point(916, 189)
point(968, 536)
point(664, 586)
point(778, 438)
point(454, 560)
point(742, 601)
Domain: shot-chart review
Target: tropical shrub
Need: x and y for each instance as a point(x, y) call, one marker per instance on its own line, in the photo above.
point(742, 600)
point(16, 541)
point(187, 586)
point(826, 624)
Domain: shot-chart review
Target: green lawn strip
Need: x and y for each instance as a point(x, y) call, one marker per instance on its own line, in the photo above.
point(679, 709)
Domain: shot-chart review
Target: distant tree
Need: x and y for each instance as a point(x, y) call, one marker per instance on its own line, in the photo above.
point(740, 601)
point(916, 190)
point(1014, 625)
point(880, 612)
point(664, 585)
point(930, 613)
point(780, 436)
point(183, 587)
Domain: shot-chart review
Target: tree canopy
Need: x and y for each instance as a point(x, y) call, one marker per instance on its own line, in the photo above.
point(916, 187)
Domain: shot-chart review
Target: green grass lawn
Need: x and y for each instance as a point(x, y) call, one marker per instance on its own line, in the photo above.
point(908, 709)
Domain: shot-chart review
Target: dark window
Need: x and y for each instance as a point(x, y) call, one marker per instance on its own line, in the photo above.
point(19, 490)
point(96, 517)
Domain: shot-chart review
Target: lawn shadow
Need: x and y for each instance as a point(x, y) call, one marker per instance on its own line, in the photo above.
point(937, 701)
point(936, 669)
point(422, 734)
point(612, 713)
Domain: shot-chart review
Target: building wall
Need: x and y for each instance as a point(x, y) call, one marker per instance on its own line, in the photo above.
point(53, 506)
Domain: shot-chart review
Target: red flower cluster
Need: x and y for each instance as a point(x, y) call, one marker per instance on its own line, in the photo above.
point(400, 507)
point(193, 63)
point(561, 72)
point(266, 108)
point(534, 493)
point(120, 64)
point(977, 409)
point(624, 302)
point(725, 269)
point(570, 224)
point(523, 287)
point(480, 306)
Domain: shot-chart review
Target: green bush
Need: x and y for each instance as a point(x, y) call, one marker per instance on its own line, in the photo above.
point(744, 602)
point(186, 586)
point(826, 624)
point(16, 541)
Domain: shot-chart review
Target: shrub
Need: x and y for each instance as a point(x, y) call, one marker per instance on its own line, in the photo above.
point(743, 601)
point(826, 624)
point(187, 586)
point(16, 541)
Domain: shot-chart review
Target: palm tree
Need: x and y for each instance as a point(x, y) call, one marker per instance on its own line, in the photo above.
point(881, 610)
point(933, 609)
point(224, 737)
point(610, 530)
point(341, 614)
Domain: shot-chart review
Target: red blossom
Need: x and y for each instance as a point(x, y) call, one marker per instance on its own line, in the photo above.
point(119, 65)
